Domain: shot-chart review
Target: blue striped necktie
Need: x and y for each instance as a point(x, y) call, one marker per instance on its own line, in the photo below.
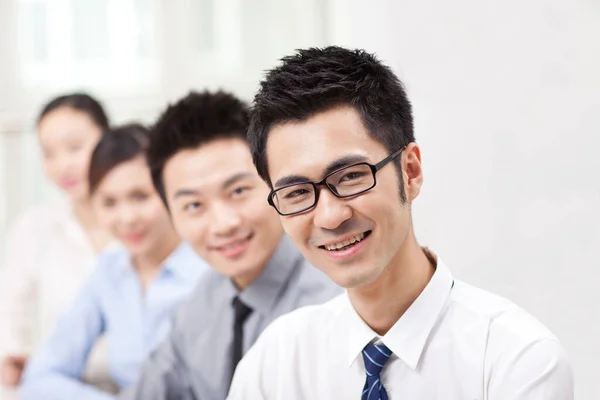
point(375, 357)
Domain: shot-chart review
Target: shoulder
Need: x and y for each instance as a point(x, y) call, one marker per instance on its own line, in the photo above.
point(517, 343)
point(38, 221)
point(521, 354)
point(110, 263)
point(312, 284)
point(37, 217)
point(200, 309)
point(281, 345)
point(30, 229)
point(297, 328)
point(505, 318)
point(205, 291)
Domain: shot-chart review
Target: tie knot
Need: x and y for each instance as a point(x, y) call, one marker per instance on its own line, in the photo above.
point(375, 356)
point(242, 311)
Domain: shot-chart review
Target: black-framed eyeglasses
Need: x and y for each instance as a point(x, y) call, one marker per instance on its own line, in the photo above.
point(344, 182)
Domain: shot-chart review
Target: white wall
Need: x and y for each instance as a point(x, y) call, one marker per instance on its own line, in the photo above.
point(507, 103)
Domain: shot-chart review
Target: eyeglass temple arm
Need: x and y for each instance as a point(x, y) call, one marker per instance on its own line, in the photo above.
point(386, 160)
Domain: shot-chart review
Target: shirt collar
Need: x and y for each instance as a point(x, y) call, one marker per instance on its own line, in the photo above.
point(264, 291)
point(407, 337)
point(182, 263)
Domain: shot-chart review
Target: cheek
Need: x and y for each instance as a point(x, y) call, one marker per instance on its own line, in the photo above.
point(82, 162)
point(297, 228)
point(156, 214)
point(50, 170)
point(109, 220)
point(390, 217)
point(191, 229)
point(178, 222)
point(383, 201)
point(259, 213)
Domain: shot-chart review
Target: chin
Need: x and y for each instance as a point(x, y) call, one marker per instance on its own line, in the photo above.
point(229, 269)
point(351, 277)
point(137, 249)
point(77, 194)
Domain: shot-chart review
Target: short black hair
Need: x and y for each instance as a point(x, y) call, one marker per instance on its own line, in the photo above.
point(194, 120)
point(82, 102)
point(315, 80)
point(117, 146)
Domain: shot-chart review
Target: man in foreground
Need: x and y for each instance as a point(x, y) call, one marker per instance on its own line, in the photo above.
point(332, 134)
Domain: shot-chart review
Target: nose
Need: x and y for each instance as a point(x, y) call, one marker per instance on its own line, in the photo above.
point(64, 164)
point(330, 212)
point(128, 214)
point(225, 220)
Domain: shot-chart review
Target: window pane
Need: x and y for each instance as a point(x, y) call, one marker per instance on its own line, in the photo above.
point(90, 28)
point(32, 31)
point(145, 33)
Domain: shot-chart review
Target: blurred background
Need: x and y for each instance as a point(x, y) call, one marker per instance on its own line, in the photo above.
point(506, 97)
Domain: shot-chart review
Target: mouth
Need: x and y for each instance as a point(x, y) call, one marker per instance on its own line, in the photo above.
point(347, 246)
point(133, 237)
point(235, 248)
point(68, 183)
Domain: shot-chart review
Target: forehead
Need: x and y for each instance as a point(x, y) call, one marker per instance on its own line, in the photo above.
point(208, 165)
point(125, 176)
point(65, 122)
point(308, 147)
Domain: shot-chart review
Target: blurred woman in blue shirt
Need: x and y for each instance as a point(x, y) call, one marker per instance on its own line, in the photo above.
point(135, 288)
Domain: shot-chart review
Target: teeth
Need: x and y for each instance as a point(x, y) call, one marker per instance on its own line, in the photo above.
point(345, 243)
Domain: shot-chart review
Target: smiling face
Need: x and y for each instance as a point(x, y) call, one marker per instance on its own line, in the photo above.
point(128, 205)
point(352, 240)
point(67, 138)
point(218, 204)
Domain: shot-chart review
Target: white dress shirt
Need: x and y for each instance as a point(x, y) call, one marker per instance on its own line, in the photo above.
point(47, 258)
point(455, 342)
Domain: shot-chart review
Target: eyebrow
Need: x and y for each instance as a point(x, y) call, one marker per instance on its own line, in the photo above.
point(343, 162)
point(333, 166)
point(236, 178)
point(228, 182)
point(185, 192)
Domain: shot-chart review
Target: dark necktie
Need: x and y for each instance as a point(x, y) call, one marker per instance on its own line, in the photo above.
point(375, 357)
point(242, 312)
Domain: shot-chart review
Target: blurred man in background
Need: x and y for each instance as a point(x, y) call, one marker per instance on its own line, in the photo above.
point(202, 167)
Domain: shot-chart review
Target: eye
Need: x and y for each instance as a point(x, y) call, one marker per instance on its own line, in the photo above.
point(193, 206)
point(296, 193)
point(74, 147)
point(140, 196)
point(239, 191)
point(351, 176)
point(108, 203)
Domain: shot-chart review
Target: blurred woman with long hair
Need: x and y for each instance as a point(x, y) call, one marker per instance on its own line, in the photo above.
point(52, 247)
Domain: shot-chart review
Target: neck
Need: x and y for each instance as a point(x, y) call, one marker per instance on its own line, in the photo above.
point(382, 302)
point(82, 209)
point(243, 281)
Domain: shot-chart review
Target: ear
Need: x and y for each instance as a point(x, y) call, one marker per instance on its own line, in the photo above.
point(412, 171)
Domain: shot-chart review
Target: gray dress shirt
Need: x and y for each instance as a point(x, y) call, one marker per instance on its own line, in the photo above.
point(194, 362)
